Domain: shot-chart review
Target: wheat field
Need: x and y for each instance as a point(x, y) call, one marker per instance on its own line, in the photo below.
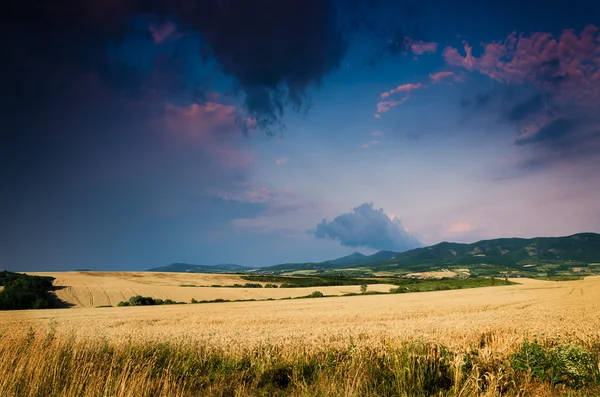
point(93, 289)
point(566, 309)
point(470, 342)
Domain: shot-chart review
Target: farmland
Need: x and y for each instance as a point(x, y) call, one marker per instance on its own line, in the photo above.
point(93, 289)
point(267, 335)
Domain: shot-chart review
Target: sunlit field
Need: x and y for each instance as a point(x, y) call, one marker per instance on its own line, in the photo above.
point(343, 342)
point(93, 289)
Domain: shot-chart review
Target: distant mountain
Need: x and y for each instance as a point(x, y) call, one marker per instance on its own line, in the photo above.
point(351, 259)
point(382, 255)
point(582, 248)
point(190, 268)
point(559, 252)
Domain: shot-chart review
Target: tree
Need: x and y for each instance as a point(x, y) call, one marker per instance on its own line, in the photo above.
point(363, 288)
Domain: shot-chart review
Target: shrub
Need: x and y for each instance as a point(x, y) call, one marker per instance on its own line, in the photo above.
point(22, 292)
point(567, 364)
point(253, 285)
point(139, 300)
point(315, 294)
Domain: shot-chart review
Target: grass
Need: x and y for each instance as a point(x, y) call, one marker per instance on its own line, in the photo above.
point(44, 364)
point(313, 281)
point(467, 342)
point(414, 285)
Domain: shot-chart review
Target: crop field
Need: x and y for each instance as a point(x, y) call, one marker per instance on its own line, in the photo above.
point(93, 289)
point(567, 309)
point(453, 343)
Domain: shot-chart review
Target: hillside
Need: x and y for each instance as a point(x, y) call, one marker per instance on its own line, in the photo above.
point(576, 250)
point(540, 256)
point(535, 256)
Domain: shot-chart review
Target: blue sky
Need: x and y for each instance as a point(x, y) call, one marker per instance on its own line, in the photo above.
point(166, 144)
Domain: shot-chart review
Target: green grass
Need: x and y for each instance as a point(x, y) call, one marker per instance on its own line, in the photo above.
point(313, 281)
point(62, 367)
point(413, 285)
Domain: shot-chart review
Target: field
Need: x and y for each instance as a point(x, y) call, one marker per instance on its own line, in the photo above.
point(93, 289)
point(448, 327)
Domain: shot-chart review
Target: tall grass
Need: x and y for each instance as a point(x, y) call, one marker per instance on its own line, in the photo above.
point(49, 365)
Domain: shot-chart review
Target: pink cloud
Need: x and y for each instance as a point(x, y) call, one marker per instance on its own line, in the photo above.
point(439, 76)
point(377, 116)
point(567, 66)
point(161, 33)
point(385, 106)
point(377, 133)
point(213, 127)
point(461, 227)
point(421, 47)
point(282, 161)
point(202, 122)
point(406, 88)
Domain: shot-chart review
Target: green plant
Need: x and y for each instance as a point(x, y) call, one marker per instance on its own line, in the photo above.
point(563, 364)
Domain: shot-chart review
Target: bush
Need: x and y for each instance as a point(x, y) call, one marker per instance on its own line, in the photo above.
point(565, 364)
point(139, 300)
point(22, 292)
point(315, 294)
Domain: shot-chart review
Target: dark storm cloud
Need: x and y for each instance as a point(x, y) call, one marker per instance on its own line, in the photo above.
point(367, 227)
point(274, 50)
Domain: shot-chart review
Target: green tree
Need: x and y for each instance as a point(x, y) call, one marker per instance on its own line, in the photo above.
point(363, 288)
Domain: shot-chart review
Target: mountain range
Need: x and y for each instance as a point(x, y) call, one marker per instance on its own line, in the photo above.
point(571, 251)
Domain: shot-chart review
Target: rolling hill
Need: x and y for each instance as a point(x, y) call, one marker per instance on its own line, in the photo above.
point(556, 253)
point(550, 254)
point(576, 250)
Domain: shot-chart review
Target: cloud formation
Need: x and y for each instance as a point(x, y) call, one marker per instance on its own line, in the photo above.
point(439, 76)
point(367, 227)
point(567, 66)
point(422, 47)
point(560, 121)
point(51, 46)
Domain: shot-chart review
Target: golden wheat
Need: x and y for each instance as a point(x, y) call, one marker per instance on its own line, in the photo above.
point(458, 318)
point(93, 289)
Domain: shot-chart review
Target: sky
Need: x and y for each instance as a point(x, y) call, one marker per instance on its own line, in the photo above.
point(136, 134)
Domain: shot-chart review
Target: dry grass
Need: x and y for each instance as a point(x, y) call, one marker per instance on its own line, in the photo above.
point(93, 289)
point(356, 346)
point(453, 318)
